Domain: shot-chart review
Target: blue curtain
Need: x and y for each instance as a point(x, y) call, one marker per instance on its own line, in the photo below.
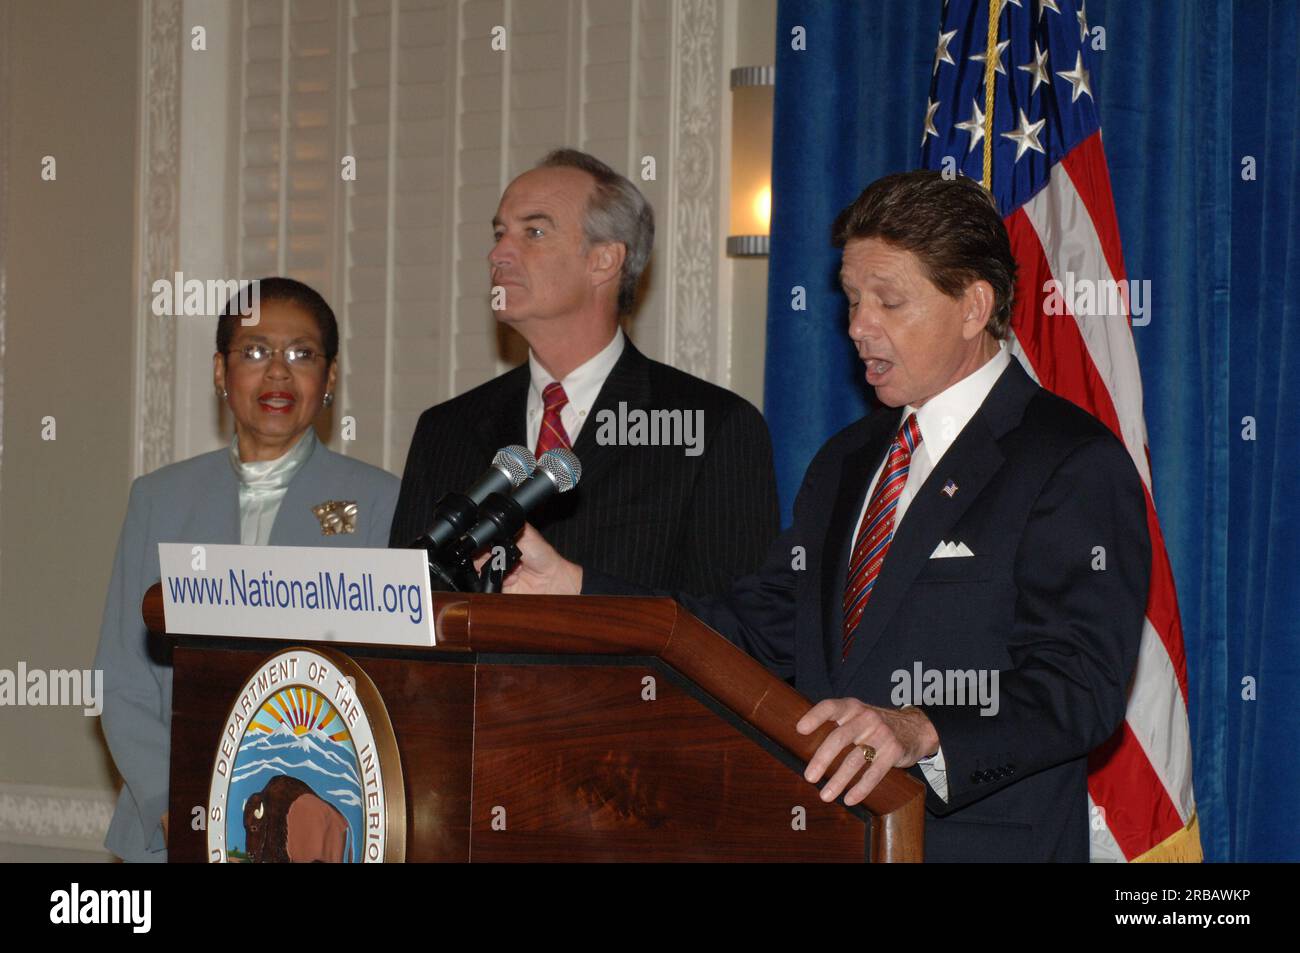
point(1195, 98)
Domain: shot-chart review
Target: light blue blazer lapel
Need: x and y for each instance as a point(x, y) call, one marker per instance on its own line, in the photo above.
point(204, 510)
point(295, 523)
point(328, 476)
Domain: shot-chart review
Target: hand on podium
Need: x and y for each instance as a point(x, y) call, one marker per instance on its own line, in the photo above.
point(893, 738)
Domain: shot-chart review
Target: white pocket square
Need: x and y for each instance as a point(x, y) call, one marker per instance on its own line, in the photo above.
point(950, 550)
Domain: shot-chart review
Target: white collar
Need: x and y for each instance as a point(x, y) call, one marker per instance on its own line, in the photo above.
point(946, 414)
point(273, 474)
point(583, 383)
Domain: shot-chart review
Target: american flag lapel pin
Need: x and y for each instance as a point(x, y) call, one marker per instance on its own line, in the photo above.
point(949, 489)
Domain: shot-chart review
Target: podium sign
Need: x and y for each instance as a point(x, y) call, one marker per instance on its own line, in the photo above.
point(366, 596)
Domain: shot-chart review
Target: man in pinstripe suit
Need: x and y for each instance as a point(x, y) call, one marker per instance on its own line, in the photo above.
point(572, 238)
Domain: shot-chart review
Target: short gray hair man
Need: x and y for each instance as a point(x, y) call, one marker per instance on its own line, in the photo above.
point(617, 212)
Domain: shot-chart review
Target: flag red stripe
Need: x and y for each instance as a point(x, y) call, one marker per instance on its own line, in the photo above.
point(1053, 342)
point(1139, 811)
point(1162, 601)
point(1086, 164)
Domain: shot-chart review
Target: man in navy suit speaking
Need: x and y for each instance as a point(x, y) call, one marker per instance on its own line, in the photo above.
point(962, 589)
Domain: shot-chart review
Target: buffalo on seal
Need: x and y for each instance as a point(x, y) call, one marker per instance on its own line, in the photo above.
point(286, 822)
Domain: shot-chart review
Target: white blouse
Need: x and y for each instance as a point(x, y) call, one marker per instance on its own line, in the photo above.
point(262, 485)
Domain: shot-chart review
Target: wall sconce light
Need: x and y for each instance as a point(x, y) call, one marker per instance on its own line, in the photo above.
point(752, 89)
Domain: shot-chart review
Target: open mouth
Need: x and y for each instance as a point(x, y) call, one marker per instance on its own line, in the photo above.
point(276, 402)
point(877, 369)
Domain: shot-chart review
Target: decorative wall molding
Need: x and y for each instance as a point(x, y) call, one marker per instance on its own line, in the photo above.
point(62, 818)
point(696, 180)
point(157, 231)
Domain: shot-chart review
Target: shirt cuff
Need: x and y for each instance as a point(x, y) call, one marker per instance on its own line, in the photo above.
point(935, 769)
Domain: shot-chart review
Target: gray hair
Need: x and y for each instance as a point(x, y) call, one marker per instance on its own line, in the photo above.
point(616, 212)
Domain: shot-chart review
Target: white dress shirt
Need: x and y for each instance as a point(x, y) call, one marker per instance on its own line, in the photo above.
point(940, 419)
point(581, 385)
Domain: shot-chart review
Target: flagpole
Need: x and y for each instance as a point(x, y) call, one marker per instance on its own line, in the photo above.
point(990, 69)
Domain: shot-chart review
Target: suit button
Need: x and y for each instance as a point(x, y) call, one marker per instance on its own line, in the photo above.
point(1011, 769)
point(976, 777)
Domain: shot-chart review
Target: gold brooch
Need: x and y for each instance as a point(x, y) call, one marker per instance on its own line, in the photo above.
point(336, 516)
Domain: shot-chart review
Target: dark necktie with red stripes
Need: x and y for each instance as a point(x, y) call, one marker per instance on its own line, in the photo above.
point(877, 529)
point(552, 434)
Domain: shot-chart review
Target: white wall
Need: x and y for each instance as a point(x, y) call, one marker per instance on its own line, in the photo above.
point(66, 268)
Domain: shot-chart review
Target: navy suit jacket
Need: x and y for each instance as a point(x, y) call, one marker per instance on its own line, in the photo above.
point(1053, 599)
point(197, 501)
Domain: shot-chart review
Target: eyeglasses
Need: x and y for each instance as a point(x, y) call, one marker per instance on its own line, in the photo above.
point(260, 354)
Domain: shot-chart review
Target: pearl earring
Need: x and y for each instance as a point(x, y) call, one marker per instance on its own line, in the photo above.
point(327, 399)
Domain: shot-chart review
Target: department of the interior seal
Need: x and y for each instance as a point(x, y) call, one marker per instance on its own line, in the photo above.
point(306, 768)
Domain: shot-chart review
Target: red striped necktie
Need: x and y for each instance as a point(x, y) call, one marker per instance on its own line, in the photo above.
point(552, 435)
point(877, 530)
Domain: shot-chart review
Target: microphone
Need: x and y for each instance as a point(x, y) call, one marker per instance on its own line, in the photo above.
point(501, 518)
point(455, 513)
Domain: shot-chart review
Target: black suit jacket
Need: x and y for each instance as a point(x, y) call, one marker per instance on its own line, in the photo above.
point(1053, 598)
point(653, 515)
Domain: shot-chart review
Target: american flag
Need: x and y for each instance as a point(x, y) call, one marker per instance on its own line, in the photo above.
point(1037, 146)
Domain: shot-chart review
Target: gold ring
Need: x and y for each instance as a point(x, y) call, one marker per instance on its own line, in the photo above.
point(868, 753)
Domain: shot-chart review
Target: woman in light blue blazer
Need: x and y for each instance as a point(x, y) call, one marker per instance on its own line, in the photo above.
point(276, 370)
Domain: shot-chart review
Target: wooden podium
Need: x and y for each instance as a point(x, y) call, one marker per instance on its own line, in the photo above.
point(603, 728)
